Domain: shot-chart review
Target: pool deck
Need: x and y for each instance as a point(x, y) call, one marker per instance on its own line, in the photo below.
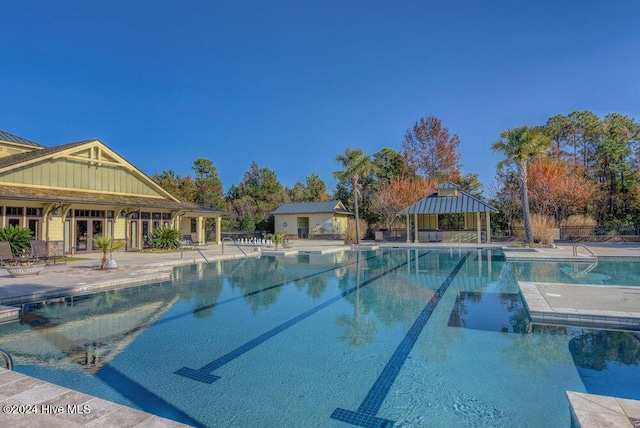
point(30, 402)
point(566, 304)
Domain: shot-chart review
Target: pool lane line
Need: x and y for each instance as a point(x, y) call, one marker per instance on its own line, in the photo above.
point(143, 397)
point(365, 416)
point(203, 374)
point(253, 293)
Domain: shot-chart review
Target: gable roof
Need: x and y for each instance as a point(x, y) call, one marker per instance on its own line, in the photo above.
point(10, 138)
point(322, 207)
point(21, 159)
point(456, 204)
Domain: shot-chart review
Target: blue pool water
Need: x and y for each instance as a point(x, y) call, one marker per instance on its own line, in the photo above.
point(604, 272)
point(404, 337)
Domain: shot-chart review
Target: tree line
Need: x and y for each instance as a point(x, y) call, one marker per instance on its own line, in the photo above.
point(574, 164)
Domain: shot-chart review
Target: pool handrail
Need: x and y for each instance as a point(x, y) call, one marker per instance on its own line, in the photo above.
point(226, 238)
point(188, 242)
point(580, 244)
point(7, 359)
point(595, 256)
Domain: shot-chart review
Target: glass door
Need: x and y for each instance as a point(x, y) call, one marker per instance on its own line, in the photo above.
point(96, 230)
point(82, 235)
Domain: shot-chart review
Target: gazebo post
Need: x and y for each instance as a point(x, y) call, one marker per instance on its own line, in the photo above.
point(478, 227)
point(415, 228)
point(408, 229)
point(488, 227)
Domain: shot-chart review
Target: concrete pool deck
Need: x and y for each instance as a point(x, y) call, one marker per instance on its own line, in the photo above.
point(589, 303)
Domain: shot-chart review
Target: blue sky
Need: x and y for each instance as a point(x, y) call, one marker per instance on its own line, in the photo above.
point(290, 84)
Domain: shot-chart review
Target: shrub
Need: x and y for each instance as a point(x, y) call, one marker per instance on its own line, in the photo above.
point(541, 229)
point(277, 238)
point(166, 238)
point(19, 238)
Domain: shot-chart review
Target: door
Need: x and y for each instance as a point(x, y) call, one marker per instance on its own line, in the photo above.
point(86, 230)
point(82, 235)
point(303, 227)
point(96, 230)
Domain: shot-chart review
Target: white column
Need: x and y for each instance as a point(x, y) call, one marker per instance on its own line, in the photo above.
point(478, 227)
point(200, 235)
point(488, 228)
point(415, 230)
point(408, 229)
point(218, 230)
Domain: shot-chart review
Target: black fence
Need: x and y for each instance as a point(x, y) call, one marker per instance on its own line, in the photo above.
point(569, 233)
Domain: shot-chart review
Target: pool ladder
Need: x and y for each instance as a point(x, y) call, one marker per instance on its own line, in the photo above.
point(7, 359)
point(594, 255)
point(234, 243)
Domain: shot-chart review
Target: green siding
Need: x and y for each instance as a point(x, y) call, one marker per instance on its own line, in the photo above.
point(68, 173)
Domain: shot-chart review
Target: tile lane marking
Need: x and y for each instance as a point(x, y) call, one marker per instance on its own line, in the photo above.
point(203, 374)
point(365, 416)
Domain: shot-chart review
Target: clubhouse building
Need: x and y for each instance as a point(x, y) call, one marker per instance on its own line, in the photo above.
point(69, 194)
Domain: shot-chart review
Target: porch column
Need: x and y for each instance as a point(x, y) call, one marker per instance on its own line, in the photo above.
point(488, 228)
point(408, 229)
point(200, 231)
point(415, 228)
point(478, 227)
point(218, 230)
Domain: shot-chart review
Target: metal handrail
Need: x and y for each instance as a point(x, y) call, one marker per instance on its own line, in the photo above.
point(7, 359)
point(192, 245)
point(234, 243)
point(593, 265)
point(575, 250)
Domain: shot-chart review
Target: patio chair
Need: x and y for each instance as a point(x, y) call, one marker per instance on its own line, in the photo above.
point(6, 255)
point(40, 251)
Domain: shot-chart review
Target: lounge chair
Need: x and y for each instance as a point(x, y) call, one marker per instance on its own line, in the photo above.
point(6, 255)
point(40, 251)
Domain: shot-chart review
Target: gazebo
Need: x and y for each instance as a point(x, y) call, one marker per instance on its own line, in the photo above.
point(448, 215)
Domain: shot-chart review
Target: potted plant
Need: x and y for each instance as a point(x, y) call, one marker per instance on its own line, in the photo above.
point(107, 245)
point(24, 268)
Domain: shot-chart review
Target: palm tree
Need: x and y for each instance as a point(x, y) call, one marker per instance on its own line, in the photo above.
point(355, 165)
point(106, 244)
point(519, 145)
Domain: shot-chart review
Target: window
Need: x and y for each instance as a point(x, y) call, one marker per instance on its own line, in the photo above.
point(34, 227)
point(14, 210)
point(35, 212)
point(89, 213)
point(194, 225)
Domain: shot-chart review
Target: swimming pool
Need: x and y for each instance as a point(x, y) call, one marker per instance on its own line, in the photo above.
point(604, 272)
point(412, 337)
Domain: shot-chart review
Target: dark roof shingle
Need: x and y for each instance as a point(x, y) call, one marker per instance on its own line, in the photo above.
point(311, 208)
point(6, 136)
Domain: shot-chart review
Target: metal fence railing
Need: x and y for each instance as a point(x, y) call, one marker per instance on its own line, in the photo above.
point(567, 233)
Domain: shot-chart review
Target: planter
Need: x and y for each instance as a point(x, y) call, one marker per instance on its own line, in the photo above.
point(22, 271)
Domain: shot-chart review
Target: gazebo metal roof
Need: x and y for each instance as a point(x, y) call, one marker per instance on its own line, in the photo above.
point(461, 202)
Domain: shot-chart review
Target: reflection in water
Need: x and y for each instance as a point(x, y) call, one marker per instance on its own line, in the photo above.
point(501, 312)
point(595, 349)
point(607, 362)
